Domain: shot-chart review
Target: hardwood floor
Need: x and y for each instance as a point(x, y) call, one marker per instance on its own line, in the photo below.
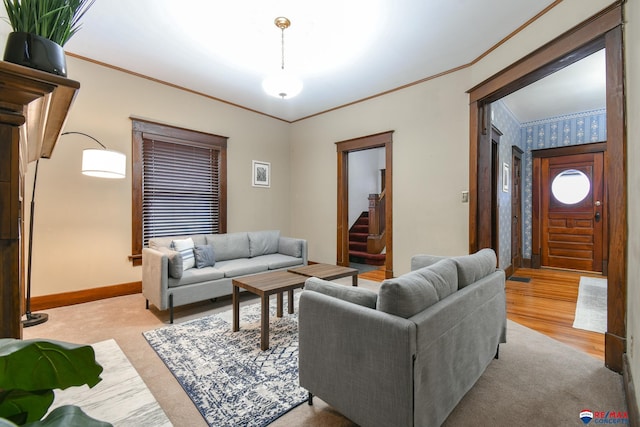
point(546, 304)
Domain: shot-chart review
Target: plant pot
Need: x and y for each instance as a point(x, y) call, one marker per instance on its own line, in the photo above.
point(37, 52)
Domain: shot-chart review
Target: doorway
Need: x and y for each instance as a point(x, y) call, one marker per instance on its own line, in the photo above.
point(604, 30)
point(385, 141)
point(570, 214)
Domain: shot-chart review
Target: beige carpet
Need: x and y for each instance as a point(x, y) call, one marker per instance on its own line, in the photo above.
point(536, 380)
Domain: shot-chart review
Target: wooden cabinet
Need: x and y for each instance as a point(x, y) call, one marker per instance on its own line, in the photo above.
point(33, 109)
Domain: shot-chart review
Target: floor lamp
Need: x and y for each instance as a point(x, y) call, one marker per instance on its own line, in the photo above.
point(101, 163)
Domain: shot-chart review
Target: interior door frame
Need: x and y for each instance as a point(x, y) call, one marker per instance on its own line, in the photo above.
point(516, 153)
point(384, 139)
point(536, 205)
point(604, 30)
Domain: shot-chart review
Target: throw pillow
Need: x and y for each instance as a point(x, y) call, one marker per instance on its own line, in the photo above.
point(204, 256)
point(175, 262)
point(185, 247)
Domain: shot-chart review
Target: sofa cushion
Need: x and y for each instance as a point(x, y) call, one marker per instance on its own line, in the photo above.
point(241, 266)
point(275, 261)
point(290, 246)
point(263, 242)
point(204, 256)
point(229, 246)
point(196, 275)
point(472, 268)
point(443, 275)
point(360, 296)
point(175, 261)
point(185, 247)
point(406, 295)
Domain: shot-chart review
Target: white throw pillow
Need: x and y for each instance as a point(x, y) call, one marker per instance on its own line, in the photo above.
point(185, 247)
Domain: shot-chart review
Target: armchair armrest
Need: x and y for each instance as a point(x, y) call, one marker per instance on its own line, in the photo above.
point(155, 277)
point(357, 359)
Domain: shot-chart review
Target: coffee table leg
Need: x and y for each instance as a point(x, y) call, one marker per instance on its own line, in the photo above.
point(279, 304)
point(290, 300)
point(264, 320)
point(235, 298)
point(354, 280)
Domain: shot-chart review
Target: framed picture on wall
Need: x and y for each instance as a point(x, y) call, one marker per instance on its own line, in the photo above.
point(260, 174)
point(505, 177)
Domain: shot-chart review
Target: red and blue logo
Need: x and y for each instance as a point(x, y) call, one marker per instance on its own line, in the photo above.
point(586, 416)
point(604, 417)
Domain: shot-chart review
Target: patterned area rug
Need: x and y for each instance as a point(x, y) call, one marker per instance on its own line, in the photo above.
point(226, 375)
point(591, 308)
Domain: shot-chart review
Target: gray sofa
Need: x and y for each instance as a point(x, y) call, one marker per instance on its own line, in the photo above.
point(407, 355)
point(169, 279)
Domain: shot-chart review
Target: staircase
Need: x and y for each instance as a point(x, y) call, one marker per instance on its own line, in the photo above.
point(358, 235)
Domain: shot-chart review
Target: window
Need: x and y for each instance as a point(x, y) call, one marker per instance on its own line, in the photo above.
point(179, 183)
point(571, 187)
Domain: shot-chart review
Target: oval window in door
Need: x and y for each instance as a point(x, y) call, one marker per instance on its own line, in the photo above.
point(570, 187)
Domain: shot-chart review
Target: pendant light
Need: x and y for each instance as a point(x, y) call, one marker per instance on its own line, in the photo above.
point(282, 84)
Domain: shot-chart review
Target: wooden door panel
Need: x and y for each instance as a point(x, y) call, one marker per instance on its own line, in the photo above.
point(571, 236)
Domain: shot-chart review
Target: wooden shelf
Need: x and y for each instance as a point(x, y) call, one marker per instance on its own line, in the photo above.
point(33, 110)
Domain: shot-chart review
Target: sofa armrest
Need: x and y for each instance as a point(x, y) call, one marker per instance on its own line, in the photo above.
point(355, 295)
point(357, 359)
point(155, 277)
point(293, 247)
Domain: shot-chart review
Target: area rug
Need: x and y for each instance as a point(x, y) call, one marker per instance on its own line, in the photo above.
point(591, 308)
point(121, 398)
point(226, 375)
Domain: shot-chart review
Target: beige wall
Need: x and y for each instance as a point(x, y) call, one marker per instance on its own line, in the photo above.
point(430, 153)
point(632, 58)
point(82, 233)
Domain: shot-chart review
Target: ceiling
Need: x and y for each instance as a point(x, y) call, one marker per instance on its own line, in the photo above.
point(579, 87)
point(343, 51)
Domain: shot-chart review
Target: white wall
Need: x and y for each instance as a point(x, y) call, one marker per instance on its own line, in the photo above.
point(364, 179)
point(632, 58)
point(82, 235)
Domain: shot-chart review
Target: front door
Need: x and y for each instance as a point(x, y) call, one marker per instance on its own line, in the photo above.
point(572, 211)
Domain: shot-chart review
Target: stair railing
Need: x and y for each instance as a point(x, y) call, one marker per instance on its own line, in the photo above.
point(377, 208)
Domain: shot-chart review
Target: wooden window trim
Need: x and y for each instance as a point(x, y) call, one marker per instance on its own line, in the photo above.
point(143, 128)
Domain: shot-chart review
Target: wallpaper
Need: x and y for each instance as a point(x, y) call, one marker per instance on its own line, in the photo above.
point(575, 129)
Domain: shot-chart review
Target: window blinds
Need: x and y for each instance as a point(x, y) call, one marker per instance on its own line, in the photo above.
point(181, 189)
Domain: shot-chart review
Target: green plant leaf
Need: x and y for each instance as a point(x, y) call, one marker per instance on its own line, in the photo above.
point(33, 365)
point(21, 406)
point(68, 416)
point(57, 20)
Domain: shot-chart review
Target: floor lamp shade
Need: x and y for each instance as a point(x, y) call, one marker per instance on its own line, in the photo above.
point(103, 163)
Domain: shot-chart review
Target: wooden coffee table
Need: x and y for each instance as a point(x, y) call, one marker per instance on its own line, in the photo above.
point(265, 285)
point(327, 272)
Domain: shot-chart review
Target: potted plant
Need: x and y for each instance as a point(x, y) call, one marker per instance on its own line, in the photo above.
point(32, 369)
point(40, 29)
